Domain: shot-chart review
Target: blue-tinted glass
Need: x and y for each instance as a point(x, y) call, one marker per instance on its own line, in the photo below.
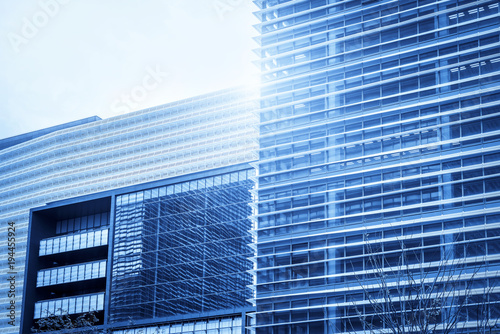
point(191, 258)
point(392, 165)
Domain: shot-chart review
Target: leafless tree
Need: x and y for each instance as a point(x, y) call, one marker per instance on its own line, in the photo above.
point(447, 296)
point(62, 322)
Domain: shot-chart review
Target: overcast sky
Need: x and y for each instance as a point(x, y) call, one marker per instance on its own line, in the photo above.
point(63, 60)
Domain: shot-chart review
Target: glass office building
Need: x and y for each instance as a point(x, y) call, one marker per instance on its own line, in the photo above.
point(67, 180)
point(171, 254)
point(379, 143)
point(182, 248)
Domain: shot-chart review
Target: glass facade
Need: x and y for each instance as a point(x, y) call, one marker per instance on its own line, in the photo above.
point(82, 223)
point(228, 325)
point(182, 249)
point(73, 242)
point(73, 273)
point(67, 264)
point(70, 305)
point(94, 156)
point(378, 167)
point(379, 139)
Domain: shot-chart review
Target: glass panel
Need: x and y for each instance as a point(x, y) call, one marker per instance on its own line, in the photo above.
point(197, 244)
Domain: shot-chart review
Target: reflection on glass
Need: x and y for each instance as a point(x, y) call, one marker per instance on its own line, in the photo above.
point(70, 305)
point(182, 248)
point(74, 242)
point(73, 273)
point(231, 325)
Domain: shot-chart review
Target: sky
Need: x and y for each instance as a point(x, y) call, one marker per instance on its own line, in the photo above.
point(63, 60)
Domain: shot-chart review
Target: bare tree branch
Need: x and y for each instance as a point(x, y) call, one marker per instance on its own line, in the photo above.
point(454, 294)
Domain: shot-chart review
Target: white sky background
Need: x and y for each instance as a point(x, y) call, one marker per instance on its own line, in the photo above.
point(83, 58)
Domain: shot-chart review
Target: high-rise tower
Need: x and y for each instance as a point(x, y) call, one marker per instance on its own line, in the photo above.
point(379, 143)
